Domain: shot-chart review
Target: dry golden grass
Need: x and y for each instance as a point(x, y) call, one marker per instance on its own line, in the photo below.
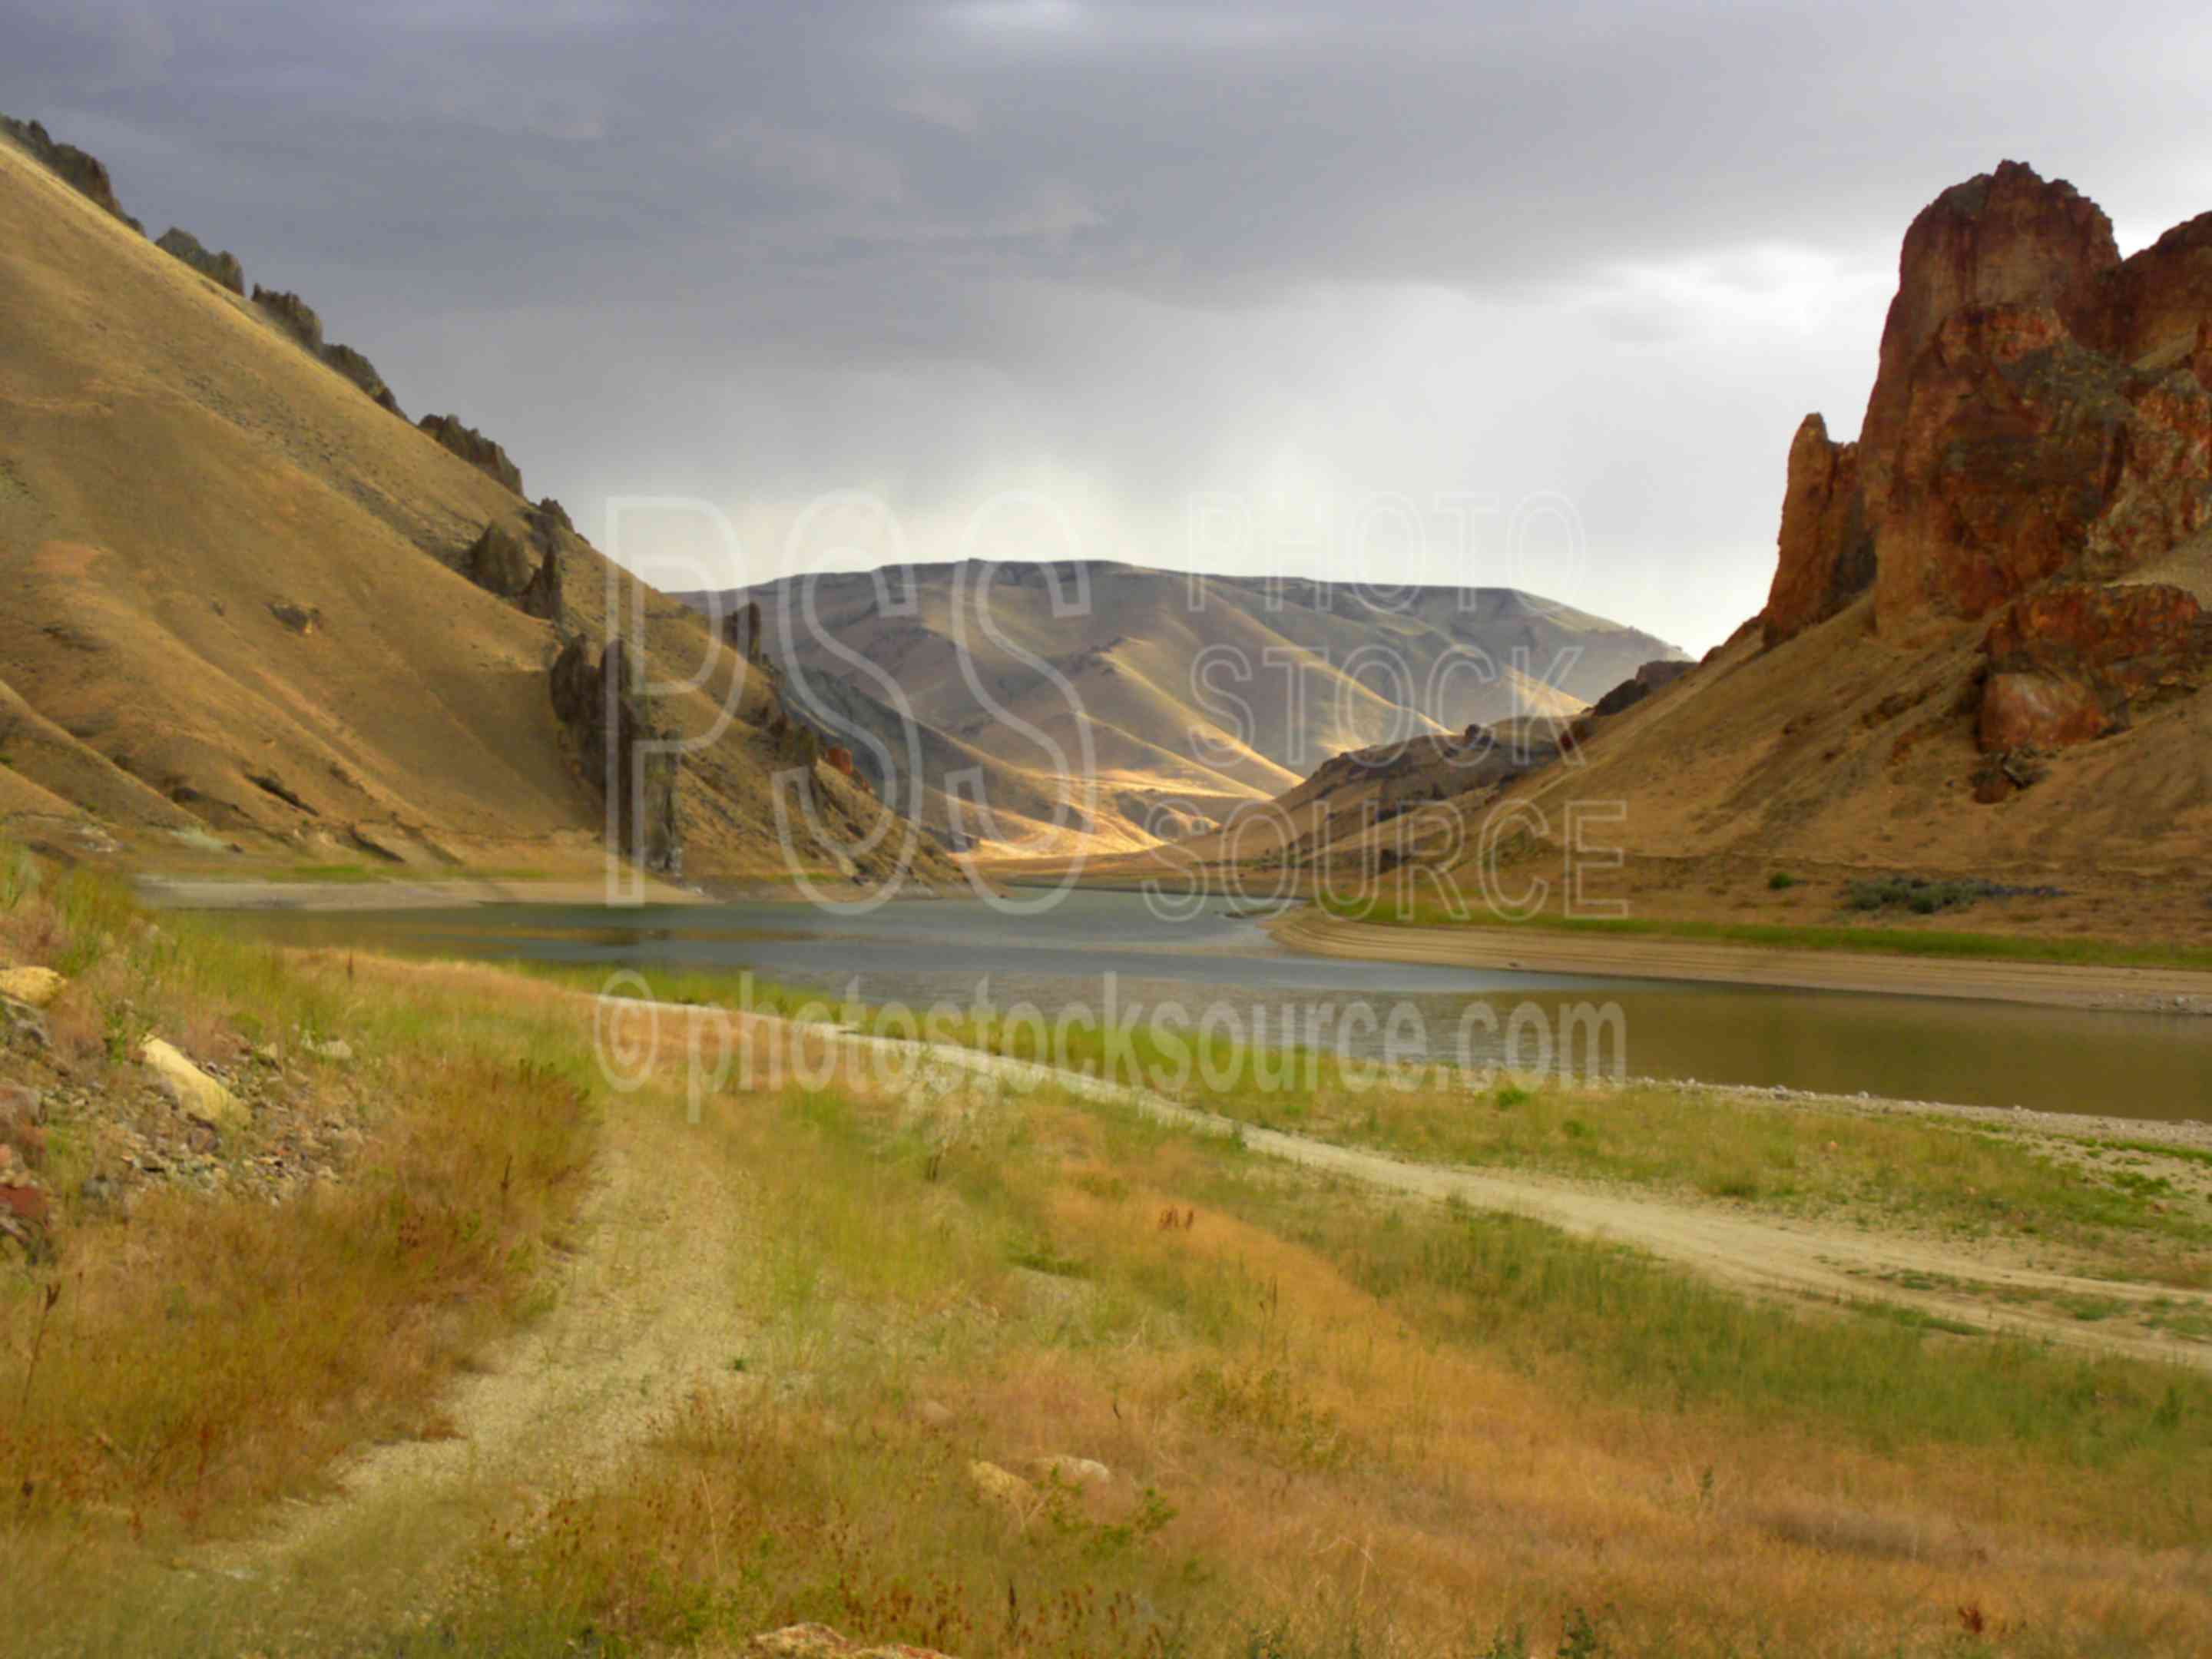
point(189, 1355)
point(1304, 1463)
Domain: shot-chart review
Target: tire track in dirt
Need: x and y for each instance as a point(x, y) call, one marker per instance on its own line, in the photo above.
point(1795, 1260)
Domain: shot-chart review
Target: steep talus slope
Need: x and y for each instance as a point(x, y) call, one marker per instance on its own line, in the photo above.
point(241, 602)
point(1106, 706)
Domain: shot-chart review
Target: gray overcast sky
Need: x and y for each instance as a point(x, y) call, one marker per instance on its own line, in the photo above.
point(1298, 263)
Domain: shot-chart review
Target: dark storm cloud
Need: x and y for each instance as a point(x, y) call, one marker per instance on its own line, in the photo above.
point(1134, 250)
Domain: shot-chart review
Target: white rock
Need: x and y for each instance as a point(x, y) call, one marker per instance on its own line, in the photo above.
point(1074, 1471)
point(1004, 1488)
point(199, 1095)
point(34, 986)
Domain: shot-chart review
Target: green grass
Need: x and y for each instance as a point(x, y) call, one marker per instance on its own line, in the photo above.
point(1912, 942)
point(1961, 1177)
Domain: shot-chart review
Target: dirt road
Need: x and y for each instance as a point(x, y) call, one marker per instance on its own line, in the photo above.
point(1801, 1259)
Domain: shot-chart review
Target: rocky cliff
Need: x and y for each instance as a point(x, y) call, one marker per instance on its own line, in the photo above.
point(2042, 416)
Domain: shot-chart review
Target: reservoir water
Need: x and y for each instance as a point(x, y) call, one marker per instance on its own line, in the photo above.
point(1111, 954)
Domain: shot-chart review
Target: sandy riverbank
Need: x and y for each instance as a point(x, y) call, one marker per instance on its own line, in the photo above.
point(1531, 949)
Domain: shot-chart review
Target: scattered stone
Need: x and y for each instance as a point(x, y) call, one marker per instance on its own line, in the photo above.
point(195, 1092)
point(820, 1642)
point(335, 1049)
point(934, 1415)
point(301, 619)
point(25, 1025)
point(35, 987)
point(1074, 1471)
point(222, 268)
point(1003, 1489)
point(472, 446)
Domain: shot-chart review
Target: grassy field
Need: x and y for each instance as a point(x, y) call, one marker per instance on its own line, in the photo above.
point(2125, 1209)
point(1335, 1424)
point(1939, 943)
point(187, 1358)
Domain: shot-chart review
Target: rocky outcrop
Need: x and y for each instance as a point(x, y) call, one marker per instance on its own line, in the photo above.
point(363, 373)
point(294, 315)
point(603, 708)
point(222, 268)
point(1826, 550)
point(2158, 299)
point(2043, 414)
point(2070, 662)
point(745, 632)
point(499, 563)
point(1638, 686)
point(527, 571)
point(84, 173)
point(472, 446)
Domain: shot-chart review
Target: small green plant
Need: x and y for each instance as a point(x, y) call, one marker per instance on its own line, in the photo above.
point(121, 1033)
point(1509, 1097)
point(1579, 1638)
point(1781, 881)
point(19, 877)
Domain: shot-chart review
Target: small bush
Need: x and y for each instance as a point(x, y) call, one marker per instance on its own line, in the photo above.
point(1781, 881)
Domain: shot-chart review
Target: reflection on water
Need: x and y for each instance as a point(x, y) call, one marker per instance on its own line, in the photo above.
point(1095, 946)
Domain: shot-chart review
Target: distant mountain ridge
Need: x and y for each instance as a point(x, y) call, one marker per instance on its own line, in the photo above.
point(1098, 705)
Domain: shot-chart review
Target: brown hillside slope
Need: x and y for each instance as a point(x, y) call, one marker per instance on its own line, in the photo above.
point(1985, 646)
point(237, 603)
point(1144, 703)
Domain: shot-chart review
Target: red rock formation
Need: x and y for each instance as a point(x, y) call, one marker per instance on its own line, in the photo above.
point(2042, 411)
point(2160, 296)
point(1827, 558)
point(2067, 663)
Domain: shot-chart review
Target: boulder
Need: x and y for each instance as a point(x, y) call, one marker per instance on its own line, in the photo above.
point(363, 373)
point(500, 562)
point(294, 315)
point(1071, 1471)
point(2037, 709)
point(222, 268)
point(81, 172)
point(1002, 1489)
point(196, 1093)
point(472, 446)
point(299, 619)
point(2071, 661)
point(35, 987)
